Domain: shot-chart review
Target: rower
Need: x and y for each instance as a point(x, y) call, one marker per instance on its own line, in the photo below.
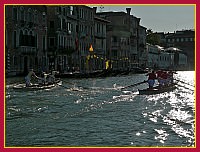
point(44, 79)
point(28, 77)
point(171, 76)
point(51, 77)
point(159, 73)
point(151, 79)
point(164, 79)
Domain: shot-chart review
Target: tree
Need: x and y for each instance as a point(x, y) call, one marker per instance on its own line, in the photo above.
point(152, 38)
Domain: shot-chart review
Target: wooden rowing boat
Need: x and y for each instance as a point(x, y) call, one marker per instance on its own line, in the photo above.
point(157, 90)
point(37, 86)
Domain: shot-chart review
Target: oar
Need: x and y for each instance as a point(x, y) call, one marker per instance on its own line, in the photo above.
point(184, 82)
point(67, 82)
point(133, 85)
point(64, 86)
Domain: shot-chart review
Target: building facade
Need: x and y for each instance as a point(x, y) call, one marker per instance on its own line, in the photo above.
point(25, 38)
point(73, 30)
point(169, 58)
point(72, 38)
point(185, 41)
point(100, 50)
point(124, 34)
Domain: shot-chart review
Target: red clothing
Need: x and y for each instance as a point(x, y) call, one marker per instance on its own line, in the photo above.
point(159, 73)
point(164, 75)
point(152, 76)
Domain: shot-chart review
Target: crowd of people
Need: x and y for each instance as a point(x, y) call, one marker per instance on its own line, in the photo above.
point(44, 79)
point(164, 78)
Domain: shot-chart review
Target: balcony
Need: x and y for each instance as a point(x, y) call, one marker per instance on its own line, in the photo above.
point(100, 35)
point(27, 50)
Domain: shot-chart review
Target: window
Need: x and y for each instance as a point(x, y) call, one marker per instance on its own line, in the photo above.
point(21, 38)
point(36, 41)
point(30, 39)
point(43, 17)
point(30, 15)
point(15, 39)
point(59, 10)
point(43, 43)
point(63, 24)
point(51, 41)
point(26, 37)
point(114, 39)
point(22, 13)
point(14, 13)
point(69, 26)
point(36, 17)
point(81, 13)
point(64, 11)
point(51, 24)
point(71, 9)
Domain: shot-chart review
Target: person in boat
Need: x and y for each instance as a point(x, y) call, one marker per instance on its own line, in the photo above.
point(159, 78)
point(44, 78)
point(28, 77)
point(164, 79)
point(51, 77)
point(151, 79)
point(171, 76)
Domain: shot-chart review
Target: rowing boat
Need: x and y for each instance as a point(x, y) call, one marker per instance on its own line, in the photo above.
point(37, 86)
point(157, 90)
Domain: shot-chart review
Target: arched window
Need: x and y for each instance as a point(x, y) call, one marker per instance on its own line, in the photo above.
point(30, 38)
point(30, 15)
point(36, 17)
point(21, 38)
point(26, 38)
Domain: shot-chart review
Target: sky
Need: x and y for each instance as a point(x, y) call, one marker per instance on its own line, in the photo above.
point(160, 18)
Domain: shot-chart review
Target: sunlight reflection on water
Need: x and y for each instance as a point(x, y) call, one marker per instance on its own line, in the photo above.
point(102, 114)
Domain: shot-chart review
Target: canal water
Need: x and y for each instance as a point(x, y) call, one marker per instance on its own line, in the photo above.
point(96, 112)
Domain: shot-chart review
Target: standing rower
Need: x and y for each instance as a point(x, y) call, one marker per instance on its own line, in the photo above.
point(151, 79)
point(28, 77)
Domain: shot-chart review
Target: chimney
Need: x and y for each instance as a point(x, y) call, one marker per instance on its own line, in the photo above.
point(128, 11)
point(95, 9)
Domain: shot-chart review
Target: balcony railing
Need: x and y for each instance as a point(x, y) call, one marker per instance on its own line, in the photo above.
point(100, 35)
point(27, 50)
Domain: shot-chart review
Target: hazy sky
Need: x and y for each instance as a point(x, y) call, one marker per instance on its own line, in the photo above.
point(160, 18)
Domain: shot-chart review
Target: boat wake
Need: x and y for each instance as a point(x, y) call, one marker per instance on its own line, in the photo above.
point(128, 96)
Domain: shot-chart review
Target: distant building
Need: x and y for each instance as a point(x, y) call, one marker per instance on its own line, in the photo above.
point(170, 58)
point(185, 41)
point(25, 38)
point(180, 59)
point(123, 38)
